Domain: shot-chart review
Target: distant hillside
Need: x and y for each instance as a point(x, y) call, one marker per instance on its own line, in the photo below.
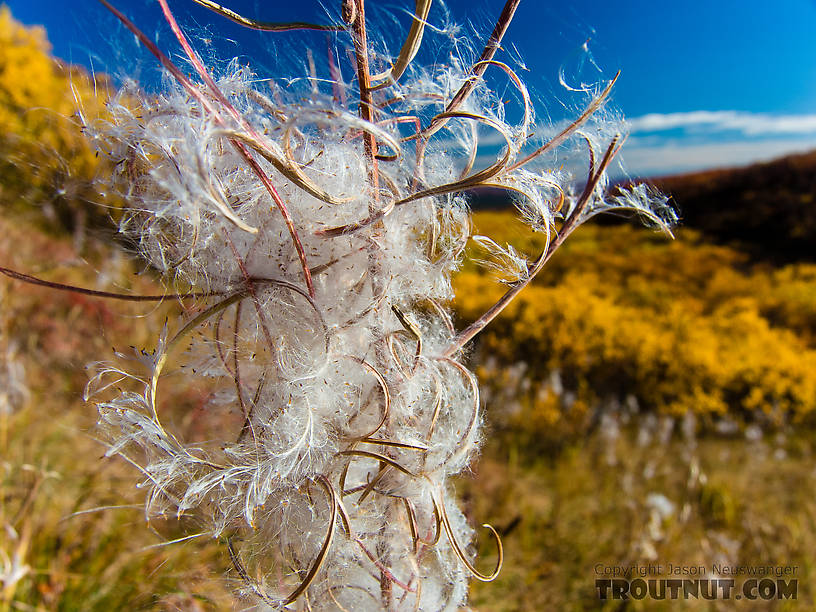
point(768, 209)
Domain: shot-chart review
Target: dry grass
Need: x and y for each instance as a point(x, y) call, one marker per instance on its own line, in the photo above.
point(53, 470)
point(735, 501)
point(560, 514)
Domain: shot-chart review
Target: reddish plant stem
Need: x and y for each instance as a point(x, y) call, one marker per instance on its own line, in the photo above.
point(572, 222)
point(354, 10)
point(33, 280)
point(493, 44)
point(209, 106)
point(360, 39)
point(205, 75)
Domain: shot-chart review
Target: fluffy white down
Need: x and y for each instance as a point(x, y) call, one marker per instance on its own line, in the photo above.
point(353, 411)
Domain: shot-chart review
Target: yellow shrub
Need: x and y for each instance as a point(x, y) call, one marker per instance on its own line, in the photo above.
point(681, 326)
point(44, 156)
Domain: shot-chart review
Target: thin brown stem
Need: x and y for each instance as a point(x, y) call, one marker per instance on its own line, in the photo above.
point(567, 131)
point(208, 80)
point(33, 280)
point(493, 44)
point(572, 221)
point(358, 27)
point(265, 26)
point(236, 363)
point(208, 105)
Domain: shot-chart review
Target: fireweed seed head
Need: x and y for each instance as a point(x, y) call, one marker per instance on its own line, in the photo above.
point(318, 222)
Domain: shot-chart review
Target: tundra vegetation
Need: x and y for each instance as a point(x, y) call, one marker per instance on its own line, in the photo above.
point(313, 411)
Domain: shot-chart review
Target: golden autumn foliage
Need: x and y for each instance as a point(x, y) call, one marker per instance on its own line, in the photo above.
point(623, 315)
point(619, 316)
point(45, 161)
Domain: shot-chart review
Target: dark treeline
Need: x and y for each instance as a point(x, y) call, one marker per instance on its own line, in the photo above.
point(767, 210)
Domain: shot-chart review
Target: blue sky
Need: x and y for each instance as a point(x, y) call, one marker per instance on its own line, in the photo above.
point(703, 84)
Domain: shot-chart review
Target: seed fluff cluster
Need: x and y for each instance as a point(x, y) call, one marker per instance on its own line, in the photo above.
point(318, 233)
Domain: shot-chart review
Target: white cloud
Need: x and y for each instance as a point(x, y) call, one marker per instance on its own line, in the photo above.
point(674, 143)
point(748, 124)
point(650, 157)
point(701, 125)
point(678, 157)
